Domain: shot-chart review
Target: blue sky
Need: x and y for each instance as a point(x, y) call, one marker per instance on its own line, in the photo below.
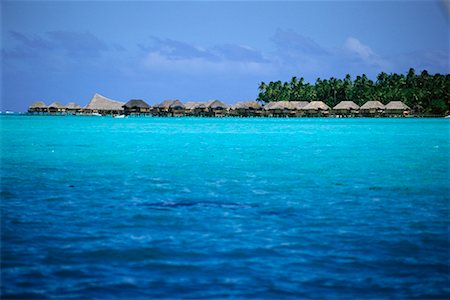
point(196, 51)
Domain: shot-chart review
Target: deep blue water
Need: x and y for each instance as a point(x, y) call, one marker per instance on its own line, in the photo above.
point(212, 208)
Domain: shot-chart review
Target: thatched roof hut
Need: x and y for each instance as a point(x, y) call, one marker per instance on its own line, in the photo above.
point(316, 106)
point(372, 105)
point(56, 105)
point(372, 109)
point(136, 103)
point(216, 104)
point(396, 109)
point(136, 107)
point(246, 109)
point(281, 108)
point(103, 104)
point(298, 108)
point(38, 104)
point(346, 106)
point(397, 105)
point(216, 108)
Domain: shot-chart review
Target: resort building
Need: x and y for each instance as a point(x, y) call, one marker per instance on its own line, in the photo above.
point(104, 106)
point(216, 108)
point(136, 107)
point(246, 109)
point(56, 108)
point(346, 109)
point(38, 107)
point(298, 106)
point(169, 108)
point(72, 108)
point(372, 109)
point(317, 109)
point(279, 109)
point(195, 109)
point(396, 109)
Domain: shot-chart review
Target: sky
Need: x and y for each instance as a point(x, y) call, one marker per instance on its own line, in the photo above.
point(67, 51)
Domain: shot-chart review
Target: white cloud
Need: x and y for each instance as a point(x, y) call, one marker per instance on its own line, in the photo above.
point(354, 45)
point(365, 53)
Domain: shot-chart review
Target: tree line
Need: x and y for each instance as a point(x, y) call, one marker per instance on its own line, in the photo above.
point(423, 93)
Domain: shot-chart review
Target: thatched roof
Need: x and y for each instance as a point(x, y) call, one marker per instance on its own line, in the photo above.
point(299, 105)
point(136, 103)
point(346, 105)
point(170, 104)
point(397, 105)
point(247, 105)
point(372, 105)
point(193, 105)
point(56, 105)
point(290, 105)
point(72, 105)
point(213, 104)
point(99, 102)
point(38, 104)
point(177, 103)
point(316, 105)
point(279, 105)
point(267, 106)
point(164, 104)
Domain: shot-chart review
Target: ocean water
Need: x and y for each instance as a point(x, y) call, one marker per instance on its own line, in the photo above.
point(139, 208)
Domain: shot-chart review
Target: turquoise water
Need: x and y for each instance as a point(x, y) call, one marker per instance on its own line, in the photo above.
point(212, 208)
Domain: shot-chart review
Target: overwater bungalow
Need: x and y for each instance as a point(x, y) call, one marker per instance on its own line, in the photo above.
point(104, 106)
point(216, 108)
point(372, 109)
point(169, 108)
point(195, 109)
point(346, 109)
point(246, 109)
point(38, 107)
point(317, 109)
point(279, 109)
point(396, 109)
point(136, 107)
point(56, 108)
point(298, 108)
point(72, 108)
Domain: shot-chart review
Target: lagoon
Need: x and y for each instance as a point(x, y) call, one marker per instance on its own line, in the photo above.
point(97, 207)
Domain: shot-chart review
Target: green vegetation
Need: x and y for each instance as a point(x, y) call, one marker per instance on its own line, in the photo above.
point(424, 93)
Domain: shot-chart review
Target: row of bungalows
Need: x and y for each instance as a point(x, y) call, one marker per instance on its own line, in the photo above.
point(100, 105)
point(216, 108)
point(175, 108)
point(377, 109)
point(54, 108)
